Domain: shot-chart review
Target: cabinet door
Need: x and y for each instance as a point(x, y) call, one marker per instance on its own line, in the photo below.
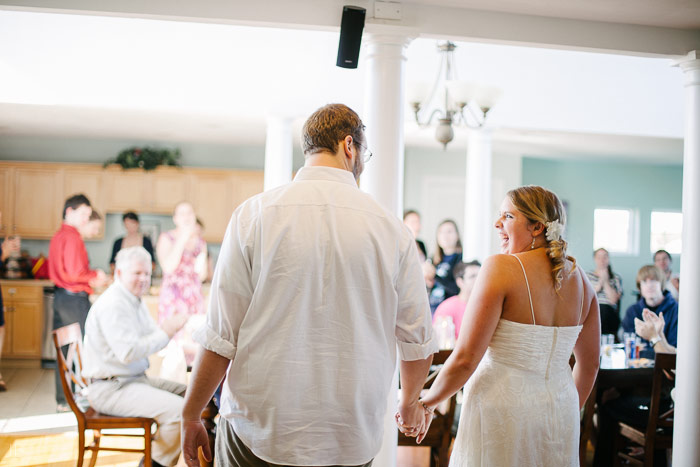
point(126, 190)
point(7, 344)
point(212, 199)
point(6, 195)
point(167, 188)
point(87, 182)
point(246, 183)
point(26, 329)
point(38, 202)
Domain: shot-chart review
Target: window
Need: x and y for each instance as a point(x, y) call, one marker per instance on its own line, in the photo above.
point(666, 228)
point(615, 230)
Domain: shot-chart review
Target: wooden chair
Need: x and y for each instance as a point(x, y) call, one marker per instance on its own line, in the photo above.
point(587, 429)
point(439, 434)
point(70, 368)
point(659, 430)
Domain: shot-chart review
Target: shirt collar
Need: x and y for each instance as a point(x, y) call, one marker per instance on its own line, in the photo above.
point(70, 228)
point(133, 299)
point(330, 174)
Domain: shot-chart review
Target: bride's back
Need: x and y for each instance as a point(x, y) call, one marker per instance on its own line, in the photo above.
point(550, 308)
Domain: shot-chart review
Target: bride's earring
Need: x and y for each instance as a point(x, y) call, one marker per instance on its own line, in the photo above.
point(532, 246)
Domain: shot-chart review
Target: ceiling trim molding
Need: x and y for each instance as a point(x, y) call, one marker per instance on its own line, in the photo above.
point(421, 19)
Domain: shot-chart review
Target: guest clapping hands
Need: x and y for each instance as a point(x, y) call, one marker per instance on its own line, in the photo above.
point(652, 329)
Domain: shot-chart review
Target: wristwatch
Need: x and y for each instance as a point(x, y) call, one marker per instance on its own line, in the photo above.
point(654, 340)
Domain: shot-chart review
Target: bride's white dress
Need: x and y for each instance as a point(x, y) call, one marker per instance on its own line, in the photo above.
point(520, 406)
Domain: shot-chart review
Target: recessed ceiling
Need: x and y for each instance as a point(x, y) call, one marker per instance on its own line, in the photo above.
point(212, 83)
point(680, 14)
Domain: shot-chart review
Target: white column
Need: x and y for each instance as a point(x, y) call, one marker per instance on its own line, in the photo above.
point(686, 433)
point(478, 218)
point(278, 152)
point(385, 58)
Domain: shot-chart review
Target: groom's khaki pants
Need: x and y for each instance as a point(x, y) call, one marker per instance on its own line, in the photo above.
point(145, 397)
point(230, 450)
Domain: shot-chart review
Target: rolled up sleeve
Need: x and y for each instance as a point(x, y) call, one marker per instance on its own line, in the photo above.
point(231, 289)
point(414, 330)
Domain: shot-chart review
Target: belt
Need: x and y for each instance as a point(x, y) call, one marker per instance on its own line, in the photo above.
point(111, 378)
point(81, 294)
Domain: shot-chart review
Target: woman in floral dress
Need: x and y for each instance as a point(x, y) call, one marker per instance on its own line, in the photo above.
point(182, 253)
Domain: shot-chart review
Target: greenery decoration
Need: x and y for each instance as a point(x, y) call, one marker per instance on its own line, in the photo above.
point(146, 158)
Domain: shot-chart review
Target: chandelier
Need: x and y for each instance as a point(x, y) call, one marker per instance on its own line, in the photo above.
point(450, 100)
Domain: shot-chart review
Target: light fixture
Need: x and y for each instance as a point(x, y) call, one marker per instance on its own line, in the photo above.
point(451, 101)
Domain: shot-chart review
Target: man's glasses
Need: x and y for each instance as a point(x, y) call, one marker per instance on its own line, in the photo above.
point(366, 153)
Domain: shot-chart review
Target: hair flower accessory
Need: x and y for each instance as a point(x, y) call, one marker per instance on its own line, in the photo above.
point(554, 230)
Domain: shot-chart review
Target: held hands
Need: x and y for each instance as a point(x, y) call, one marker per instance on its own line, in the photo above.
point(194, 436)
point(413, 420)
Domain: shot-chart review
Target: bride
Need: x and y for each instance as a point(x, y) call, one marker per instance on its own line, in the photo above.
point(530, 307)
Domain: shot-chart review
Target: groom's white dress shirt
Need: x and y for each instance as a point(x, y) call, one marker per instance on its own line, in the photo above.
point(316, 286)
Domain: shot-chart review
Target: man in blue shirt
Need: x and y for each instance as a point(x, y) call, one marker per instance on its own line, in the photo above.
point(651, 282)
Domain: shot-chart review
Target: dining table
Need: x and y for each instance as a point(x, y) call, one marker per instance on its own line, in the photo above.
point(616, 372)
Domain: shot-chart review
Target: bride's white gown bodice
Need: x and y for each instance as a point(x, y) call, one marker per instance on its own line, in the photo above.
point(520, 406)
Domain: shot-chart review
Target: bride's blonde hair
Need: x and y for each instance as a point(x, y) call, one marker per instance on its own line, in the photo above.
point(539, 204)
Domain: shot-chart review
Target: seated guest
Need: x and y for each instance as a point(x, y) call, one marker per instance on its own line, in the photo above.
point(119, 336)
point(662, 260)
point(608, 287)
point(438, 273)
point(652, 329)
point(411, 219)
point(629, 407)
point(650, 282)
point(465, 276)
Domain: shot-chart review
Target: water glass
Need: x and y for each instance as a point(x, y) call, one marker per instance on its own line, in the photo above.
point(630, 346)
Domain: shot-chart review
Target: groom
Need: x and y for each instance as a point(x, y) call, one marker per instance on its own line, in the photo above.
point(315, 288)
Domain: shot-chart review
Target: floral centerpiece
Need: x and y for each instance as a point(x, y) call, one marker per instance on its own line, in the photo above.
point(146, 158)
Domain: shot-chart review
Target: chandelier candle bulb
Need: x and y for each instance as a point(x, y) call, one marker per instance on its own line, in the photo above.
point(449, 97)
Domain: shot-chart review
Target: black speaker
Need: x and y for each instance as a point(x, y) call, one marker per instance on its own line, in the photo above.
point(351, 27)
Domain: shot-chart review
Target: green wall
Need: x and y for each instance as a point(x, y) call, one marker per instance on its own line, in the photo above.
point(586, 185)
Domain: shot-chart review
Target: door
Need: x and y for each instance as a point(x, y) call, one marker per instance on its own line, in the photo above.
point(38, 202)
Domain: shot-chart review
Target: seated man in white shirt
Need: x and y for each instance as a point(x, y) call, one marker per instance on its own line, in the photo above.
point(119, 336)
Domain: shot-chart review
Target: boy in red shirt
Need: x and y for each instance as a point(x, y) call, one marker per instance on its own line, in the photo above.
point(69, 269)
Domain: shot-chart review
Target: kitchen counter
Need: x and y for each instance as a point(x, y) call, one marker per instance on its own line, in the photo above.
point(35, 282)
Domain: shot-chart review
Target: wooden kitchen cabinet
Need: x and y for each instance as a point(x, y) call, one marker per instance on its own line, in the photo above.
point(125, 190)
point(24, 320)
point(216, 194)
point(168, 186)
point(32, 194)
point(212, 199)
point(90, 182)
point(5, 204)
point(34, 203)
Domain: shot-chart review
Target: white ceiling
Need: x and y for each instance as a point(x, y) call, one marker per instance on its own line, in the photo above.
point(99, 77)
point(681, 14)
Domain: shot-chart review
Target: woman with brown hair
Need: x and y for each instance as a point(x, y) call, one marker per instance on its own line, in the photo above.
point(438, 274)
point(530, 308)
point(608, 287)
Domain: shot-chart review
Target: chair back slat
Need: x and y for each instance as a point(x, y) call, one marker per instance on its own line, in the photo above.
point(662, 379)
point(70, 365)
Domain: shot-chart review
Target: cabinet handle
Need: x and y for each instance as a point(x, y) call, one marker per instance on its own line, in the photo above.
point(12, 291)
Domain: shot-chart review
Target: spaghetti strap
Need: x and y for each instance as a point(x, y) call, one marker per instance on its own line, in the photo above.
point(532, 310)
point(583, 296)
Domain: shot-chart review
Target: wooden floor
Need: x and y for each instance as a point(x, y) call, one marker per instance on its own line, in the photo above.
point(33, 434)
